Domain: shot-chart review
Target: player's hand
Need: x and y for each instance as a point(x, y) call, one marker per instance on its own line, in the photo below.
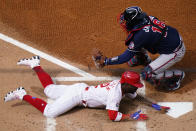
point(138, 116)
point(163, 109)
point(98, 58)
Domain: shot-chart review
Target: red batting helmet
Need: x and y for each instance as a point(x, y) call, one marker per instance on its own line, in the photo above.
point(131, 78)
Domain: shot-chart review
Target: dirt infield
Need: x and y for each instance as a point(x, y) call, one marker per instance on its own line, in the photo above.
point(69, 30)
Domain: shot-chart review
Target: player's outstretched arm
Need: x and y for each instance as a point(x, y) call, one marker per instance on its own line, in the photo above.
point(100, 60)
point(153, 104)
point(118, 116)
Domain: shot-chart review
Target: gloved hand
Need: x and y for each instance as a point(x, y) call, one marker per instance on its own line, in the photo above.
point(98, 58)
point(163, 109)
point(138, 116)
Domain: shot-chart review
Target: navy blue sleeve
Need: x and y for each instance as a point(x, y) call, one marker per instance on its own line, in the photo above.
point(124, 57)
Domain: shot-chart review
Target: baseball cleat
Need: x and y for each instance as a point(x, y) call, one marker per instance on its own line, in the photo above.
point(18, 94)
point(177, 84)
point(32, 62)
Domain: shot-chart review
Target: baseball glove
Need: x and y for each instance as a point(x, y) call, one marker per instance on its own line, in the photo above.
point(98, 58)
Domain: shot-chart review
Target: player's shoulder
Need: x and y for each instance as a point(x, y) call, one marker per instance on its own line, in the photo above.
point(144, 32)
point(115, 83)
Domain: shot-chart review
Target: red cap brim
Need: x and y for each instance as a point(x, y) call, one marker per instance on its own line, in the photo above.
point(138, 85)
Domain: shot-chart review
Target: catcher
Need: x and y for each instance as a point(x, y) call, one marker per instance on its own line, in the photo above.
point(66, 97)
point(148, 33)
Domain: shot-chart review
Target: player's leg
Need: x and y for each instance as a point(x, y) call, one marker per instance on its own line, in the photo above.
point(164, 61)
point(20, 94)
point(55, 91)
point(169, 80)
point(70, 99)
point(140, 58)
point(157, 71)
point(44, 77)
point(34, 63)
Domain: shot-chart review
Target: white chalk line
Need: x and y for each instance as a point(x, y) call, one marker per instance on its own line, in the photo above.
point(141, 125)
point(45, 56)
point(51, 122)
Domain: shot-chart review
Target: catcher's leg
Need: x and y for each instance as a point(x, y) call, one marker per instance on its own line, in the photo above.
point(156, 70)
point(169, 80)
point(140, 58)
point(165, 61)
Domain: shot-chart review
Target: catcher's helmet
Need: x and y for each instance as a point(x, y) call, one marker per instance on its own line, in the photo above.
point(132, 16)
point(131, 78)
point(131, 13)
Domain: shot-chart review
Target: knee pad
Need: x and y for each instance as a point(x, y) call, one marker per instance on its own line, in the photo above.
point(170, 75)
point(168, 79)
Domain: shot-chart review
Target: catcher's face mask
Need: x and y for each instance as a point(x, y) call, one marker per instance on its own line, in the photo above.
point(122, 21)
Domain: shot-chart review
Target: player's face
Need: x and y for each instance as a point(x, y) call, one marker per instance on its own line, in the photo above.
point(129, 88)
point(133, 89)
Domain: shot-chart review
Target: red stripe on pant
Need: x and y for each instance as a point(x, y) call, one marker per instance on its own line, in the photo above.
point(44, 78)
point(165, 63)
point(36, 102)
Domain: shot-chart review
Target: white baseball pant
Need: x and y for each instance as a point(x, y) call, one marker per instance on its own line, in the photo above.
point(65, 98)
point(164, 61)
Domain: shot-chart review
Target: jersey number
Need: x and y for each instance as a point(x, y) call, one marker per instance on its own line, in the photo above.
point(158, 23)
point(104, 85)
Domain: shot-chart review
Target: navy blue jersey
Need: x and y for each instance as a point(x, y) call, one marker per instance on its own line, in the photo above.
point(149, 38)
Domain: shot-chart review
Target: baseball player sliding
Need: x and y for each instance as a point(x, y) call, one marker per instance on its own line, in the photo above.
point(148, 33)
point(66, 97)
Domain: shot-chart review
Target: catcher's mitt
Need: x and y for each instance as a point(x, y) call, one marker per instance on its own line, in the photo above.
point(98, 58)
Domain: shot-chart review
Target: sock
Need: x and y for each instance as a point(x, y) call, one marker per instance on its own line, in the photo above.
point(36, 102)
point(44, 78)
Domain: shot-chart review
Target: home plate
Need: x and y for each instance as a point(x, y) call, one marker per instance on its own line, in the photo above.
point(178, 109)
